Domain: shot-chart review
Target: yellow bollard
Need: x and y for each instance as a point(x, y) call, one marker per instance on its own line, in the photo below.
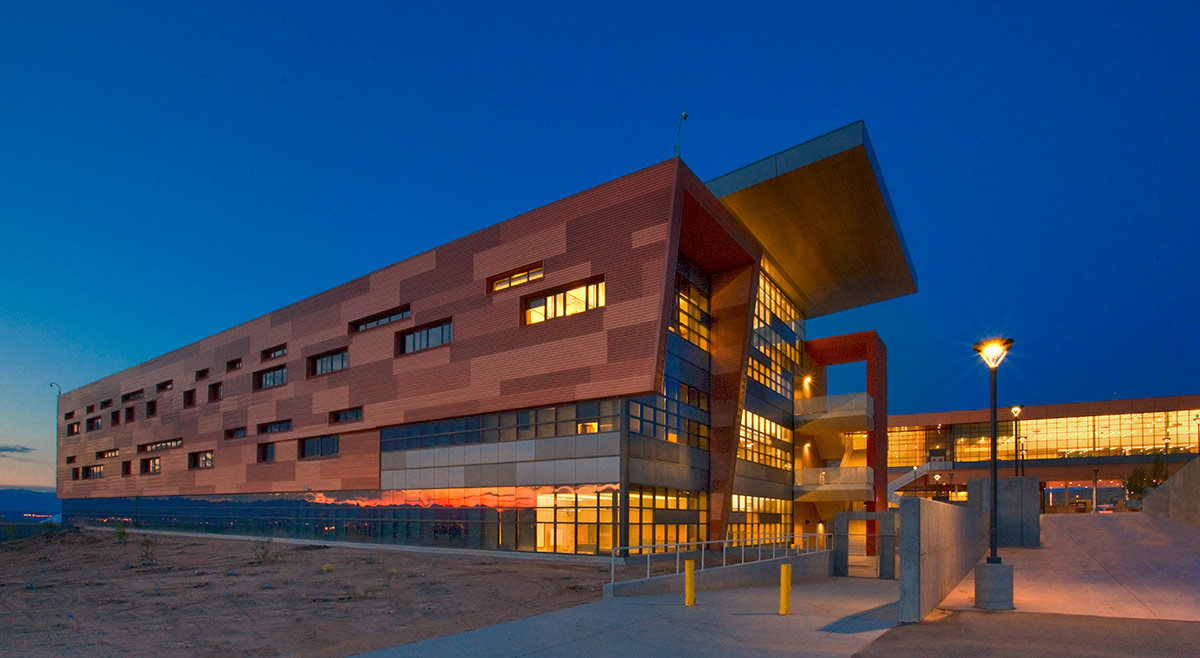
point(689, 582)
point(785, 589)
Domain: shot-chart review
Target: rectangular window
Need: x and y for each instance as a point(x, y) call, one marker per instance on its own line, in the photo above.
point(126, 468)
point(94, 424)
point(114, 418)
point(573, 300)
point(152, 465)
point(510, 279)
point(216, 392)
point(428, 337)
point(133, 395)
point(189, 398)
point(69, 415)
point(71, 459)
point(129, 415)
point(235, 433)
point(274, 352)
point(266, 453)
point(200, 460)
point(93, 472)
point(160, 445)
point(233, 364)
point(75, 473)
point(202, 374)
point(152, 409)
point(329, 362)
point(318, 446)
point(162, 387)
point(73, 429)
point(103, 405)
point(380, 319)
point(108, 454)
point(272, 378)
point(346, 415)
point(277, 426)
point(91, 408)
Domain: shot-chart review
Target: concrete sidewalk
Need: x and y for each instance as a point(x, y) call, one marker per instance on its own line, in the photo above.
point(830, 617)
point(1109, 565)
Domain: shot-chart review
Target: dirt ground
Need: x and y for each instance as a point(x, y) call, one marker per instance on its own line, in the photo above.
point(85, 593)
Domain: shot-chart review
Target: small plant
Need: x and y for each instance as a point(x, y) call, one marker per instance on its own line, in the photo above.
point(327, 567)
point(10, 532)
point(49, 528)
point(262, 551)
point(146, 550)
point(122, 535)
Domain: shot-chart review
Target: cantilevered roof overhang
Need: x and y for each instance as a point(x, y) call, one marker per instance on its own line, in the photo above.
point(824, 217)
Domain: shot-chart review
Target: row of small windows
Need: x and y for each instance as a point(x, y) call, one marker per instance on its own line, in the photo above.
point(691, 320)
point(562, 420)
point(660, 417)
point(763, 441)
point(308, 448)
point(570, 301)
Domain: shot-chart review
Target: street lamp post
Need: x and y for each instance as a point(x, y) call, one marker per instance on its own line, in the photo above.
point(1095, 483)
point(1016, 411)
point(993, 352)
point(1167, 457)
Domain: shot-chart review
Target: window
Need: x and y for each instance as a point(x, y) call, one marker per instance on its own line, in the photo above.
point(274, 352)
point(266, 453)
point(151, 465)
point(160, 445)
point(164, 386)
point(73, 429)
point(75, 473)
point(277, 426)
point(152, 409)
point(346, 415)
point(202, 374)
point(200, 460)
point(233, 364)
point(380, 319)
point(94, 424)
point(318, 446)
point(271, 378)
point(108, 454)
point(129, 415)
point(133, 395)
point(126, 468)
point(114, 418)
point(690, 319)
point(329, 362)
point(216, 392)
point(510, 279)
point(91, 408)
point(567, 302)
point(93, 472)
point(69, 415)
point(415, 340)
point(189, 398)
point(103, 405)
point(235, 433)
point(71, 459)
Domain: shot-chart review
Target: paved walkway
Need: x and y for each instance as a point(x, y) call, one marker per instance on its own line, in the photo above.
point(830, 617)
point(1109, 565)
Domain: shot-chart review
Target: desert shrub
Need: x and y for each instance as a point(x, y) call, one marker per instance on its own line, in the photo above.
point(146, 550)
point(121, 534)
point(263, 552)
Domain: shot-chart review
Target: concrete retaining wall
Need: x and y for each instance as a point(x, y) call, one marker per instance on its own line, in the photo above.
point(939, 544)
point(1019, 520)
point(808, 566)
point(1179, 497)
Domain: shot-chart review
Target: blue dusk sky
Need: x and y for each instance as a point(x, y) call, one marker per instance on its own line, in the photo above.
point(169, 170)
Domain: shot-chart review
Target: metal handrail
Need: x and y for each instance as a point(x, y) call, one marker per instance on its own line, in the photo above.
point(801, 542)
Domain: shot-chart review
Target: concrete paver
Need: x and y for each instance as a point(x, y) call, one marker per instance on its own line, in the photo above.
point(830, 617)
point(1109, 565)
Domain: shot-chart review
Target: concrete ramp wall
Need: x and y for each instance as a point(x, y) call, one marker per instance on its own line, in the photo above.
point(808, 566)
point(1178, 498)
point(939, 544)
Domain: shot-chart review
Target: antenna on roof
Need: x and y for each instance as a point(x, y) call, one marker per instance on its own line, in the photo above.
point(682, 118)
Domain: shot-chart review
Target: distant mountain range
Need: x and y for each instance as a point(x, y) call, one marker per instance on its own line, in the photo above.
point(20, 501)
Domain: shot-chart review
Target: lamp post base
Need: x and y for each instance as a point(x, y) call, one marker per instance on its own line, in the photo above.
point(993, 586)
